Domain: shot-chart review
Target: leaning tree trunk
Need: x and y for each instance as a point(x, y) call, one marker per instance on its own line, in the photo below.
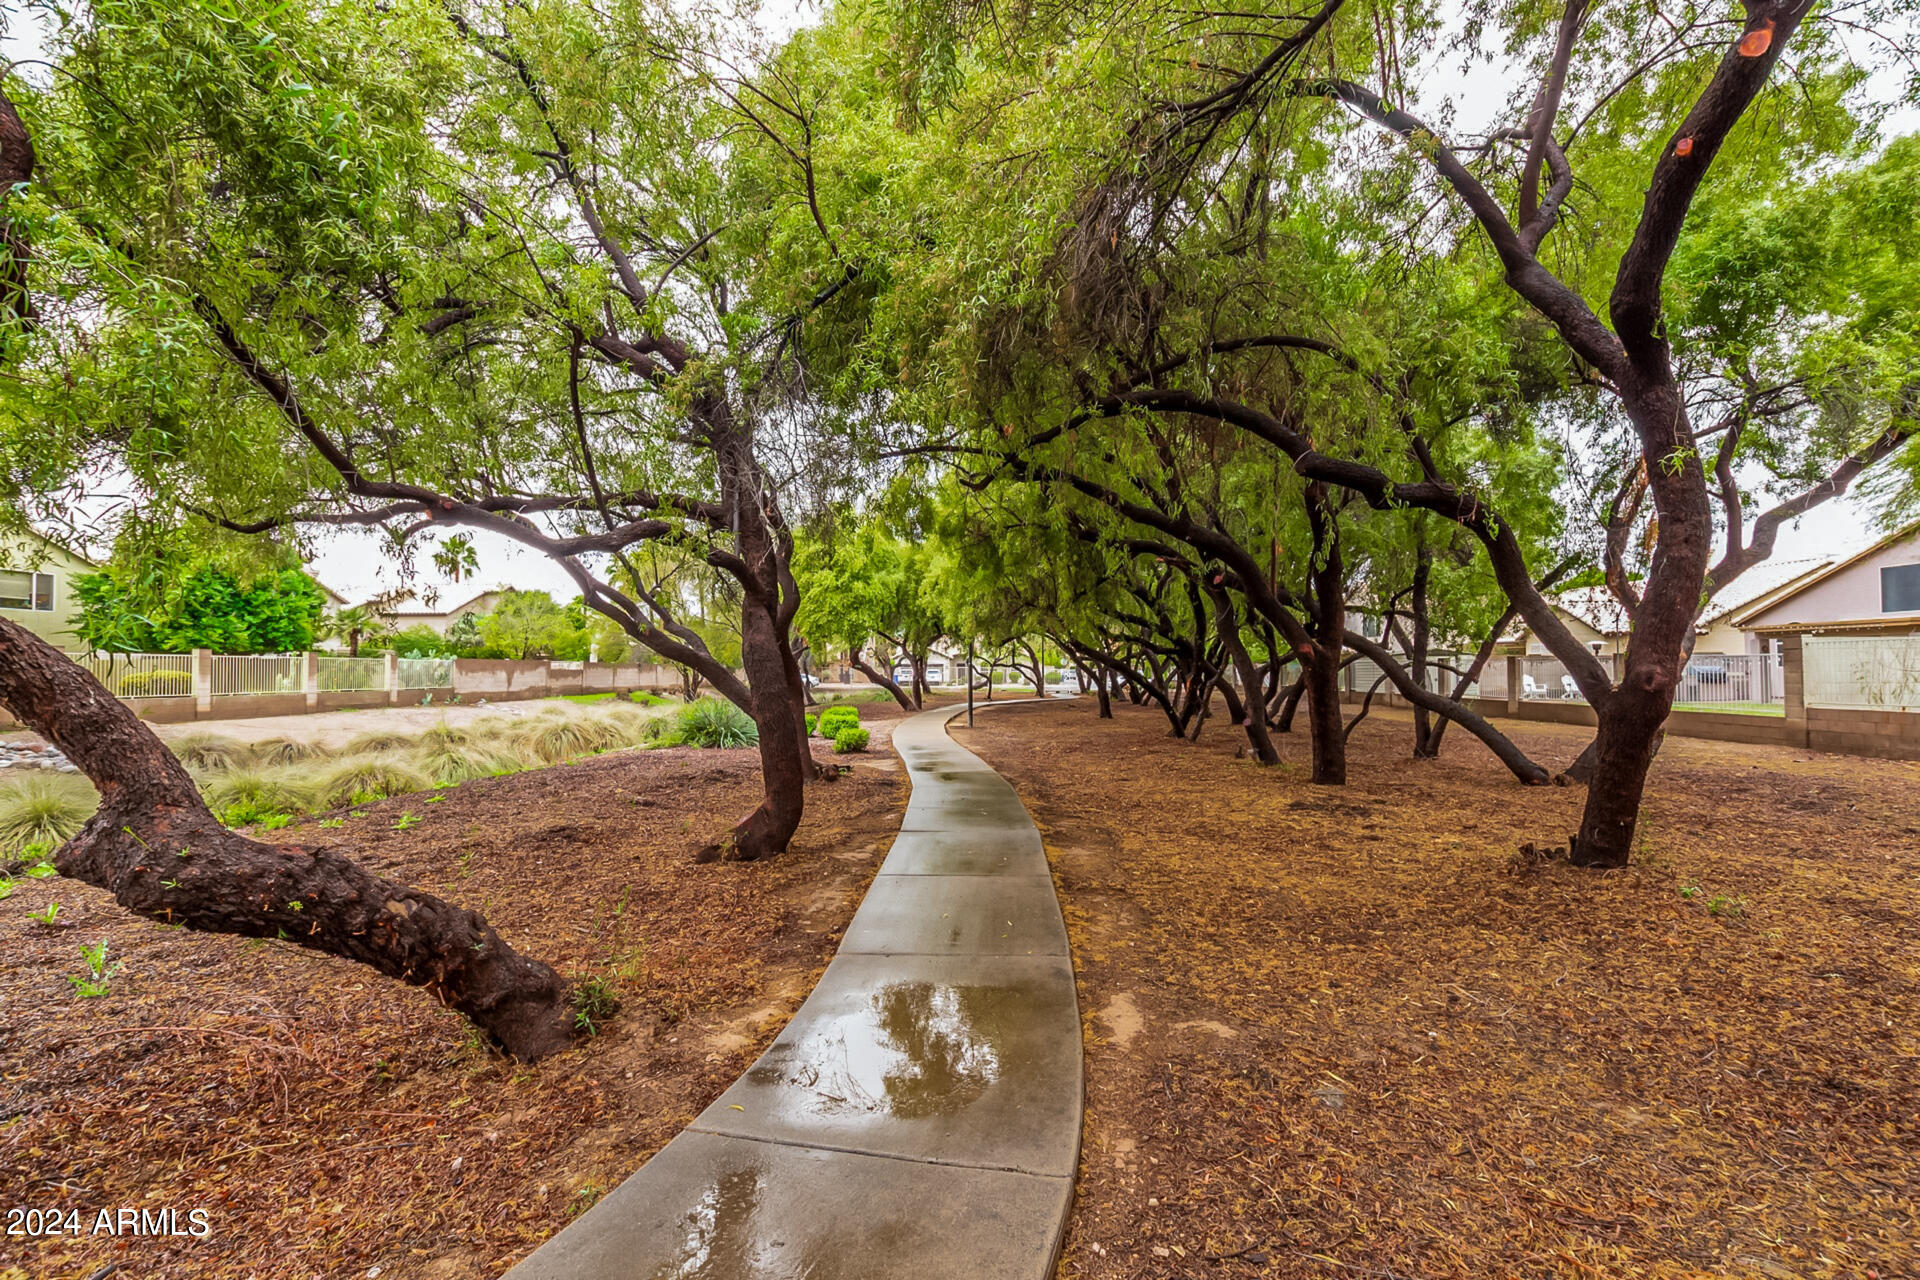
point(1253, 713)
point(881, 678)
point(154, 846)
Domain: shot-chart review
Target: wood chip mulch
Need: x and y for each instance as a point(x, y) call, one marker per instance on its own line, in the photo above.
point(1349, 1032)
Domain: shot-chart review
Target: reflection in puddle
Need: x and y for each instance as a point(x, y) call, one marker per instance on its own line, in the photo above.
point(722, 1238)
point(913, 1049)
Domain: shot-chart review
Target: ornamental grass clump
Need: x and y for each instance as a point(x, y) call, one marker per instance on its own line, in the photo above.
point(377, 742)
point(245, 797)
point(553, 739)
point(278, 751)
point(361, 779)
point(210, 751)
point(43, 808)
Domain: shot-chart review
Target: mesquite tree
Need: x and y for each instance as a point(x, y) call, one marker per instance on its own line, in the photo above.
point(420, 267)
point(155, 847)
point(1232, 196)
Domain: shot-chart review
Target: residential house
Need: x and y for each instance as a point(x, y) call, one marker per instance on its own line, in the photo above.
point(1718, 629)
point(36, 586)
point(1596, 619)
point(1873, 591)
point(408, 610)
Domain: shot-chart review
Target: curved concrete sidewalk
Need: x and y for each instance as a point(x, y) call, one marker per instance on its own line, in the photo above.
point(920, 1117)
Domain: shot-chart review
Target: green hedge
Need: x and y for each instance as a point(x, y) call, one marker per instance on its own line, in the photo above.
point(854, 739)
point(153, 684)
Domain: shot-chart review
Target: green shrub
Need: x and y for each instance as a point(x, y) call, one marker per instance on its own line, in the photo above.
point(812, 719)
point(846, 740)
point(44, 808)
point(210, 750)
point(364, 778)
point(153, 684)
point(834, 719)
point(661, 732)
point(276, 751)
point(712, 722)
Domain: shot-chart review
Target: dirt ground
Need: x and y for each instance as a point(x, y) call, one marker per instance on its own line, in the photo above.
point(1344, 1032)
point(334, 1124)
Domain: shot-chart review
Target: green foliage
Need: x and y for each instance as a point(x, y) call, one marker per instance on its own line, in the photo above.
point(812, 720)
point(835, 719)
point(594, 1004)
point(244, 797)
point(528, 624)
point(153, 684)
point(713, 722)
point(850, 739)
point(43, 809)
point(172, 608)
point(98, 979)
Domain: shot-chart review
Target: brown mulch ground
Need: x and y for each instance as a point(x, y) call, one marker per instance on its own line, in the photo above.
point(331, 1122)
point(1344, 1032)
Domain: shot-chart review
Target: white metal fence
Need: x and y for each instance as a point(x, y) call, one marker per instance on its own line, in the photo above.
point(1877, 672)
point(141, 675)
point(351, 675)
point(1754, 680)
point(426, 673)
point(236, 674)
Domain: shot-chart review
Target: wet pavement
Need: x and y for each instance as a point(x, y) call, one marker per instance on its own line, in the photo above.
point(920, 1116)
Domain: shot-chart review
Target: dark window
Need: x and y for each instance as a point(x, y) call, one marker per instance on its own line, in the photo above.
point(1900, 588)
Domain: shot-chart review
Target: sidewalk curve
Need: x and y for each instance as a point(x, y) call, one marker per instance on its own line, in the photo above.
point(919, 1118)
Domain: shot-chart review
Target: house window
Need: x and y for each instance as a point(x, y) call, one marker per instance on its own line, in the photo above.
point(1900, 588)
point(21, 590)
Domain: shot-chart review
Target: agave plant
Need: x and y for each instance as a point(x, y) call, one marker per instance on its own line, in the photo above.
point(710, 722)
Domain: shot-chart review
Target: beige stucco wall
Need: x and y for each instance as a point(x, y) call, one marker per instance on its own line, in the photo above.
point(1850, 595)
point(1724, 637)
point(27, 554)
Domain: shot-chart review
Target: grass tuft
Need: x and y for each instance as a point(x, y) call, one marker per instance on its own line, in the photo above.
point(43, 808)
point(210, 750)
point(278, 751)
point(556, 739)
point(361, 779)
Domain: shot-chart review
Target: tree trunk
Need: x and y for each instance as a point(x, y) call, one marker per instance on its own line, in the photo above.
point(1425, 746)
point(1100, 689)
point(1320, 661)
point(883, 679)
point(1252, 714)
point(1632, 714)
point(768, 602)
point(921, 689)
point(157, 849)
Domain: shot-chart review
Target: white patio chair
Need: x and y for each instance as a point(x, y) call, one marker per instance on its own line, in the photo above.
point(1569, 687)
point(1530, 688)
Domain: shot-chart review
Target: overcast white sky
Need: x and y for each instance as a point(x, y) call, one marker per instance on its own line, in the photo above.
point(356, 564)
